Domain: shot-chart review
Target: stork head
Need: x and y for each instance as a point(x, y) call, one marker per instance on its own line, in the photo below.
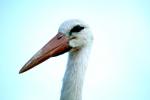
point(78, 32)
point(72, 35)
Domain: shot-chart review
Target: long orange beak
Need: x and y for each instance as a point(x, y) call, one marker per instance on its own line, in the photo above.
point(58, 45)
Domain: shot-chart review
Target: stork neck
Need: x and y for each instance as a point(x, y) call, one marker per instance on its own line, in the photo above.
point(74, 75)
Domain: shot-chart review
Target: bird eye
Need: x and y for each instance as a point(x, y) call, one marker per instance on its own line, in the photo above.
point(76, 28)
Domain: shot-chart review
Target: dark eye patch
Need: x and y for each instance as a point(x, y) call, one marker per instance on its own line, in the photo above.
point(76, 28)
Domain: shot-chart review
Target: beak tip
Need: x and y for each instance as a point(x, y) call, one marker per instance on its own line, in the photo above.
point(21, 71)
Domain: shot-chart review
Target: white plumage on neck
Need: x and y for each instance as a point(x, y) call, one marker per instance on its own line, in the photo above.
point(74, 75)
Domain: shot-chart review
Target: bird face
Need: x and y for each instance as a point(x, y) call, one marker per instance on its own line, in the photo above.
point(78, 33)
point(72, 36)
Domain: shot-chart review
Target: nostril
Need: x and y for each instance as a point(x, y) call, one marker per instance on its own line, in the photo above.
point(60, 35)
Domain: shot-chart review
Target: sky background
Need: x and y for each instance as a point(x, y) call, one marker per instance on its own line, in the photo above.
point(119, 66)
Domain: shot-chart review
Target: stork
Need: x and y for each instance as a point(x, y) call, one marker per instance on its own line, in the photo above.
point(75, 37)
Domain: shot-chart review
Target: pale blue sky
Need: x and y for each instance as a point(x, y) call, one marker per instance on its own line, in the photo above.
point(119, 67)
